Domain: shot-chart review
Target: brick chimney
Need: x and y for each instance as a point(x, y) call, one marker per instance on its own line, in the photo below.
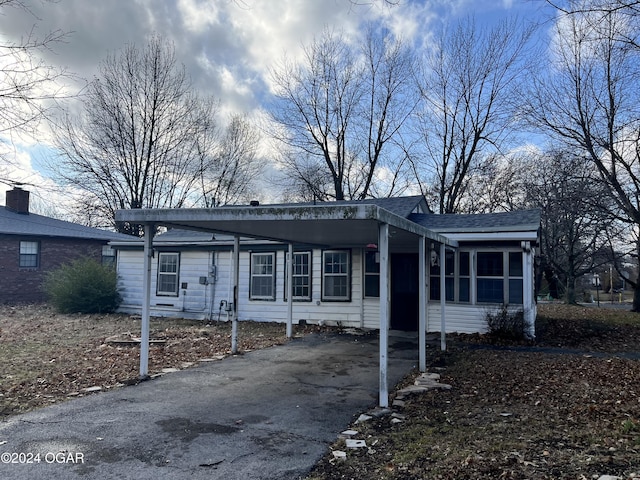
point(18, 200)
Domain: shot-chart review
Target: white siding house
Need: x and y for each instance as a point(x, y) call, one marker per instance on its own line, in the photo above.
point(491, 266)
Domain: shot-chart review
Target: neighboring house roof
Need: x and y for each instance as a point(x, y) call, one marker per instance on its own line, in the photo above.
point(13, 223)
point(521, 220)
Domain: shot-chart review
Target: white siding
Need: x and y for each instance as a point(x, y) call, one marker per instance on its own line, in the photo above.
point(195, 301)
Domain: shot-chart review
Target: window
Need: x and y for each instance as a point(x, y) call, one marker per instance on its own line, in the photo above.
point(108, 256)
point(464, 278)
point(29, 254)
point(263, 278)
point(434, 274)
point(301, 276)
point(336, 266)
point(515, 277)
point(371, 274)
point(168, 267)
point(490, 277)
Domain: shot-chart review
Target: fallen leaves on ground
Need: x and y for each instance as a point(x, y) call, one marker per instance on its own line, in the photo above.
point(46, 357)
point(513, 413)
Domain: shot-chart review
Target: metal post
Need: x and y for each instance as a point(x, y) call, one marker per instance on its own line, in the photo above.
point(290, 291)
point(236, 281)
point(383, 249)
point(443, 297)
point(422, 307)
point(149, 231)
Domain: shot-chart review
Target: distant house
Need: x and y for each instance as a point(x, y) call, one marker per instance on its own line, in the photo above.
point(480, 262)
point(32, 245)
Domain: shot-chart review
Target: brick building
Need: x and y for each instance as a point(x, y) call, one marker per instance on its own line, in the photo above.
point(32, 245)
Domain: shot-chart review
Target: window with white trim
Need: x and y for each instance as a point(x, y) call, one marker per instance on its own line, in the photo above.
point(301, 275)
point(108, 255)
point(263, 276)
point(336, 273)
point(29, 254)
point(168, 269)
point(515, 278)
point(490, 277)
point(371, 274)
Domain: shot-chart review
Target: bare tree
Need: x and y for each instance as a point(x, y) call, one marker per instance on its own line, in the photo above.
point(591, 102)
point(468, 90)
point(141, 139)
point(27, 83)
point(341, 111)
point(229, 172)
point(575, 222)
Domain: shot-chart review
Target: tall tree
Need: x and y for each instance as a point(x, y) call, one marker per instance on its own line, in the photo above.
point(229, 172)
point(143, 139)
point(27, 83)
point(575, 222)
point(590, 100)
point(468, 89)
point(340, 111)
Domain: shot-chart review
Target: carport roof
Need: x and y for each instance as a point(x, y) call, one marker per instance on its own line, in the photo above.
point(331, 224)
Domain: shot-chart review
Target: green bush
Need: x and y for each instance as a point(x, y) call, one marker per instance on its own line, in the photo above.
point(508, 325)
point(83, 286)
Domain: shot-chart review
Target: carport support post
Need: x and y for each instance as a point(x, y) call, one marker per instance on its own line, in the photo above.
point(383, 250)
point(422, 310)
point(236, 281)
point(290, 291)
point(443, 298)
point(149, 230)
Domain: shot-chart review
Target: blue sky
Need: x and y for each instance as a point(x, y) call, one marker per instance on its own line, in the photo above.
point(227, 46)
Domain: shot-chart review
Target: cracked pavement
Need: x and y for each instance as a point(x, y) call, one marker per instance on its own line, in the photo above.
point(267, 414)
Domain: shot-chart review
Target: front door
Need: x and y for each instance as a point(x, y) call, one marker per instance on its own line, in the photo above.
point(404, 291)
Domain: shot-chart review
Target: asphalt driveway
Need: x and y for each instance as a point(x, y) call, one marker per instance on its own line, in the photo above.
point(269, 414)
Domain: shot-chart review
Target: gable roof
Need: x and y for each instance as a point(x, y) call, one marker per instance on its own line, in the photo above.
point(521, 220)
point(12, 223)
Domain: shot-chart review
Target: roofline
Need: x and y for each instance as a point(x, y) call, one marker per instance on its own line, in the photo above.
point(266, 213)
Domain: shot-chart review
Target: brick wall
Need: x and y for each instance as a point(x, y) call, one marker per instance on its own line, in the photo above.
point(24, 285)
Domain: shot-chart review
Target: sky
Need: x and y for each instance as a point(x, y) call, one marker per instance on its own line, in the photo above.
point(227, 46)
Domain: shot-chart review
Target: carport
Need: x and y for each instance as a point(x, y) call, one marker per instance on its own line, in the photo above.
point(341, 224)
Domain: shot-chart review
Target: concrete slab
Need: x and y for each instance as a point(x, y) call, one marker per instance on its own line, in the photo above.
point(268, 414)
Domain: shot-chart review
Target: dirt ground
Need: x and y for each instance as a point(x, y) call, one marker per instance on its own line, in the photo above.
point(47, 357)
point(564, 407)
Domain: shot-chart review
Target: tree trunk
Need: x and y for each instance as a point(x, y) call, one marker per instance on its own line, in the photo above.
point(570, 296)
point(636, 296)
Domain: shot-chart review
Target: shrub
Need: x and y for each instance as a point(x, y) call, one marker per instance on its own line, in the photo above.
point(507, 324)
point(83, 286)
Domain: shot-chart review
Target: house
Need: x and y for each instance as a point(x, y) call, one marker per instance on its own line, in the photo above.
point(339, 284)
point(32, 245)
point(380, 263)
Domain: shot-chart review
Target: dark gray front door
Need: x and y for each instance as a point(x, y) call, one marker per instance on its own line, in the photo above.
point(404, 291)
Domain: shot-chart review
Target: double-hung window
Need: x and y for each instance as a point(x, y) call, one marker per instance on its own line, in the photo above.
point(263, 276)
point(168, 268)
point(301, 276)
point(499, 277)
point(108, 256)
point(336, 272)
point(29, 255)
point(450, 276)
point(371, 274)
point(515, 277)
point(490, 277)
